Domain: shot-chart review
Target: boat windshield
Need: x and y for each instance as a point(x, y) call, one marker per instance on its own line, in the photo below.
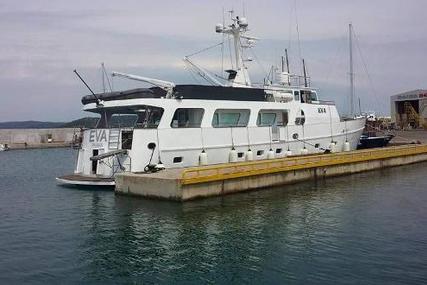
point(145, 117)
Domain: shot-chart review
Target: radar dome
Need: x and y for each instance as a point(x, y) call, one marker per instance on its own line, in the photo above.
point(243, 22)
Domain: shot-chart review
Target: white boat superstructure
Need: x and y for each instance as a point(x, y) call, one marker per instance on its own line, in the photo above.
point(173, 126)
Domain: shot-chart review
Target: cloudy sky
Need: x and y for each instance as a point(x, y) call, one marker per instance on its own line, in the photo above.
point(43, 41)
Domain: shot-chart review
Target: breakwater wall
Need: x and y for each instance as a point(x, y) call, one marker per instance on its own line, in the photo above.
point(30, 138)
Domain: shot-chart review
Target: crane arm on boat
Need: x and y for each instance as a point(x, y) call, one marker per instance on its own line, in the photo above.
point(166, 85)
point(108, 154)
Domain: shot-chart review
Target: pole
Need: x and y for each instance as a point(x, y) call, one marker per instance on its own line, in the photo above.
point(305, 73)
point(350, 27)
point(94, 95)
point(283, 64)
point(287, 67)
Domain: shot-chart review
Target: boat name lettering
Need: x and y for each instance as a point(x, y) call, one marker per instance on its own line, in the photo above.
point(97, 136)
point(321, 110)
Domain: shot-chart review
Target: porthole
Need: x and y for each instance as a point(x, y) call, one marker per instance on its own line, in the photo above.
point(240, 154)
point(259, 152)
point(151, 145)
point(278, 150)
point(177, 159)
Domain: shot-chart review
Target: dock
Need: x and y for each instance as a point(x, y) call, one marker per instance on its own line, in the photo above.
point(222, 179)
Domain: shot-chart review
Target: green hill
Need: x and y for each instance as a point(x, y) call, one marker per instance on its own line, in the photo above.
point(87, 122)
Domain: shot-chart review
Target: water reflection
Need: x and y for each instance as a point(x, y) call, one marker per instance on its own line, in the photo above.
point(213, 239)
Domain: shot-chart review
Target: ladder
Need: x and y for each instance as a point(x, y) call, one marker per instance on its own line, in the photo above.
point(114, 139)
point(412, 117)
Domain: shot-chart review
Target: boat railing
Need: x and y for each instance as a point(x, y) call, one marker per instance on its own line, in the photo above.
point(299, 80)
point(324, 102)
point(122, 166)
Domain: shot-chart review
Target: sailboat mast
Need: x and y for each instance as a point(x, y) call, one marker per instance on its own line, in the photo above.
point(350, 28)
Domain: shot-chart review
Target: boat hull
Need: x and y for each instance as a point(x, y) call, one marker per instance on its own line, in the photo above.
point(372, 142)
point(82, 180)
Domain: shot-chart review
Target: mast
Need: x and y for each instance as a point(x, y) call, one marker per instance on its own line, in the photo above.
point(350, 28)
point(287, 67)
point(287, 60)
point(305, 74)
point(283, 64)
point(238, 30)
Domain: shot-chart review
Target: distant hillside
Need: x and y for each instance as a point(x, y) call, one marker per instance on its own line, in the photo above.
point(88, 122)
point(30, 125)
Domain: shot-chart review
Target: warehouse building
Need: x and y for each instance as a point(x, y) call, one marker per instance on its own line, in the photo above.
point(409, 109)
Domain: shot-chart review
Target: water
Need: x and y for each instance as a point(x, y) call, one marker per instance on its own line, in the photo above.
point(369, 228)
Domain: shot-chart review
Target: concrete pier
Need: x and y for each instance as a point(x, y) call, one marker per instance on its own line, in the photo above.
point(198, 182)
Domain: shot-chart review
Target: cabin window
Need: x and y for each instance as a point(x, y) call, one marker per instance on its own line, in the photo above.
point(259, 152)
point(130, 117)
point(102, 121)
point(127, 137)
point(278, 150)
point(313, 96)
point(240, 154)
point(266, 119)
point(296, 95)
point(123, 120)
point(149, 117)
point(226, 118)
point(300, 119)
point(187, 118)
point(272, 118)
point(308, 96)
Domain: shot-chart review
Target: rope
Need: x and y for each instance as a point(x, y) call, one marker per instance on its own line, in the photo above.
point(366, 68)
point(205, 49)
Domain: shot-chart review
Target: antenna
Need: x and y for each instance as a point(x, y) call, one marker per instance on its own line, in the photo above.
point(305, 73)
point(98, 101)
point(283, 64)
point(287, 61)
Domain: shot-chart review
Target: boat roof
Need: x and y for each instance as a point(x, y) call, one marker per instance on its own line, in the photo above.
point(203, 92)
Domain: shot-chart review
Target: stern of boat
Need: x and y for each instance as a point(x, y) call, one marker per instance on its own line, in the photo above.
point(103, 153)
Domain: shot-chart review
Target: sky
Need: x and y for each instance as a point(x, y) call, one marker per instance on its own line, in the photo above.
point(42, 42)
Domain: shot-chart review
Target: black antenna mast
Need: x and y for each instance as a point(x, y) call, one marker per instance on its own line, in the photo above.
point(98, 101)
point(287, 60)
point(305, 74)
point(287, 67)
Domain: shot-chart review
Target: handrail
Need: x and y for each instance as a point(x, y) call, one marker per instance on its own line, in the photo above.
point(243, 169)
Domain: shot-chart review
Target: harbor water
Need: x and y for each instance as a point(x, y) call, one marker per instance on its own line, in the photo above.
point(368, 228)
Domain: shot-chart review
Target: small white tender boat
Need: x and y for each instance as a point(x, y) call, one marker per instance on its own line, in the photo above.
point(4, 147)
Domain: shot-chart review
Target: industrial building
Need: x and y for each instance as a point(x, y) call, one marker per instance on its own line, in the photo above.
point(409, 109)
